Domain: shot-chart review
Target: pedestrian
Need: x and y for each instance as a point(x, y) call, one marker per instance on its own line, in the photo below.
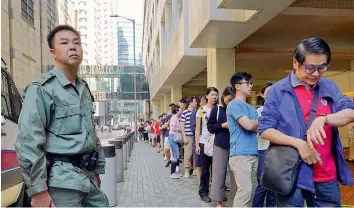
point(293, 104)
point(56, 127)
point(158, 134)
point(162, 142)
point(175, 137)
point(217, 124)
point(261, 194)
point(165, 126)
point(188, 135)
point(203, 137)
point(242, 120)
point(196, 157)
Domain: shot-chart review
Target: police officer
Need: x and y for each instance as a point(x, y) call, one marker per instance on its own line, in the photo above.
point(59, 153)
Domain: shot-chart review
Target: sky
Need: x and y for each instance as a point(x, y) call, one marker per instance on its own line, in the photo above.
point(133, 9)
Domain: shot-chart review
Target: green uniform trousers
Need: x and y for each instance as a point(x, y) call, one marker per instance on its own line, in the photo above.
point(63, 197)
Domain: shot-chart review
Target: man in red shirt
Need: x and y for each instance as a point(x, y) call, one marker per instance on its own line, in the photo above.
point(158, 133)
point(286, 112)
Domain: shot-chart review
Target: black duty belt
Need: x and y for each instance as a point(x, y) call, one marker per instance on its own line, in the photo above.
point(84, 161)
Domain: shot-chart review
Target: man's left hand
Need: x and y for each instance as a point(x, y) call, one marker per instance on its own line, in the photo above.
point(98, 180)
point(316, 132)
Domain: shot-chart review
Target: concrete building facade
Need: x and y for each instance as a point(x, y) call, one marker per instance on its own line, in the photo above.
point(24, 28)
point(189, 45)
point(65, 13)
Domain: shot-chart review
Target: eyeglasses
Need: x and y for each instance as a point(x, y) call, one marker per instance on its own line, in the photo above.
point(310, 69)
point(250, 84)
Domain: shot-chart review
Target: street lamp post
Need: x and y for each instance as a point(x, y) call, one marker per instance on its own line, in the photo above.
point(134, 80)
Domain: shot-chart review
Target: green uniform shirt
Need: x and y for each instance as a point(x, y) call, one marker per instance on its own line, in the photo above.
point(57, 118)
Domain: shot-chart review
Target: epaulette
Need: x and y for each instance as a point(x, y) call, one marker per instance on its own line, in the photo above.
point(43, 79)
point(92, 97)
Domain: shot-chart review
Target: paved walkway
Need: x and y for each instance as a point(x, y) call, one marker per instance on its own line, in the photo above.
point(147, 183)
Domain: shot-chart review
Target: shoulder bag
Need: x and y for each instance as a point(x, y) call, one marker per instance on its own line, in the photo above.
point(282, 163)
point(209, 144)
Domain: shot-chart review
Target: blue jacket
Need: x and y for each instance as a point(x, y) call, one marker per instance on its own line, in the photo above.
point(282, 111)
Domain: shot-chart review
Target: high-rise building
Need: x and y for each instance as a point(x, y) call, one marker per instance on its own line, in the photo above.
point(94, 25)
point(126, 42)
point(65, 12)
point(24, 28)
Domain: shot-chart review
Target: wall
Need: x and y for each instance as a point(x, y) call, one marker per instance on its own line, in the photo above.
point(24, 48)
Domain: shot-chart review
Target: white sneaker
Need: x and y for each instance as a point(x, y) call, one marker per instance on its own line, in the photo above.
point(165, 158)
point(194, 173)
point(174, 176)
point(186, 174)
point(177, 169)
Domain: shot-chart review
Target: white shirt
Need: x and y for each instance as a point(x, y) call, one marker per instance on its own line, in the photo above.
point(204, 135)
point(263, 144)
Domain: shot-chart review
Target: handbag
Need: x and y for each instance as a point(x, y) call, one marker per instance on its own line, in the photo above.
point(209, 144)
point(282, 163)
point(177, 137)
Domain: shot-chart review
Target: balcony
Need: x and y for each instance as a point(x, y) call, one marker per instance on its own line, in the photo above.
point(225, 23)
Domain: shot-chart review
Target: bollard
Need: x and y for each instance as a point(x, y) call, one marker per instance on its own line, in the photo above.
point(107, 186)
point(128, 148)
point(124, 153)
point(131, 138)
point(119, 159)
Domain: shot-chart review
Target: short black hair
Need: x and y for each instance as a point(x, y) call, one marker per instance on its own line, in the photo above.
point(265, 86)
point(174, 109)
point(170, 105)
point(185, 102)
point(190, 100)
point(51, 34)
point(238, 77)
point(312, 46)
point(160, 116)
point(228, 91)
point(164, 114)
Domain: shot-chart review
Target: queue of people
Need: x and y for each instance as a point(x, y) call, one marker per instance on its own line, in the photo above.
point(297, 114)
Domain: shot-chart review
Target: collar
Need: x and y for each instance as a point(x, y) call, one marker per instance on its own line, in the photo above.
point(323, 85)
point(295, 82)
point(62, 78)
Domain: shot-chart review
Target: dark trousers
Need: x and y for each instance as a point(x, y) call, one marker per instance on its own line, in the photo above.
point(146, 136)
point(327, 194)
point(205, 175)
point(261, 194)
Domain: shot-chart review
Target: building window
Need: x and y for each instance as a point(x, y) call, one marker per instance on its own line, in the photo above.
point(27, 11)
point(51, 6)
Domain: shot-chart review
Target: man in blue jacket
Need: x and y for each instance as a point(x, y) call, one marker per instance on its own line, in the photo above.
point(286, 112)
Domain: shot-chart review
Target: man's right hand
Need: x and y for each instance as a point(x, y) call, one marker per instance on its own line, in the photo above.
point(42, 199)
point(308, 155)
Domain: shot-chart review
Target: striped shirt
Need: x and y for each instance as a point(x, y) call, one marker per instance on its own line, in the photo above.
point(186, 118)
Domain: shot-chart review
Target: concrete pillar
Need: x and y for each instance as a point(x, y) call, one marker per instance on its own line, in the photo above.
point(167, 101)
point(168, 24)
point(176, 5)
point(162, 106)
point(220, 67)
point(155, 109)
point(176, 94)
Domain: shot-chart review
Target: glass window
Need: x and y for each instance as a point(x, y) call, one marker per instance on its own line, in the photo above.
point(27, 11)
point(51, 8)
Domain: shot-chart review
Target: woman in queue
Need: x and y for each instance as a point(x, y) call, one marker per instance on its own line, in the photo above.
point(202, 138)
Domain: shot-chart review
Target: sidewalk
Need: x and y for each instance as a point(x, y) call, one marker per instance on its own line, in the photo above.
point(147, 183)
